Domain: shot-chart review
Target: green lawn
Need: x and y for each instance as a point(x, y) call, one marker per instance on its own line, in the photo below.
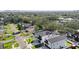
point(68, 43)
point(23, 34)
point(8, 45)
point(29, 40)
point(9, 38)
point(10, 28)
point(33, 47)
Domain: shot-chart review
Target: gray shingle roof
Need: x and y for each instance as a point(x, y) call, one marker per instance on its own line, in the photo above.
point(56, 39)
point(27, 25)
point(41, 33)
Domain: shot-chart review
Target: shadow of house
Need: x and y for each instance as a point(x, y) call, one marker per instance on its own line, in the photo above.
point(39, 45)
point(76, 37)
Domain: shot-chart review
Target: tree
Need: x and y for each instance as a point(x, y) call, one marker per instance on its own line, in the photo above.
point(53, 26)
point(19, 27)
point(53, 18)
point(73, 24)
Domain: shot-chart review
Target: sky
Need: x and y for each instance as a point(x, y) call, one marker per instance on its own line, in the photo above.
point(37, 5)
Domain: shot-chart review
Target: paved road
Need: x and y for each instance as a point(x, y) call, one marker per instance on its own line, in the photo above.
point(21, 42)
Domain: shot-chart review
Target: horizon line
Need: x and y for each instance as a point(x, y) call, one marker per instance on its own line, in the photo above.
point(39, 10)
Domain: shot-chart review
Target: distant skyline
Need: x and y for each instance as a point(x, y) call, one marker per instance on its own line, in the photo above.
point(40, 5)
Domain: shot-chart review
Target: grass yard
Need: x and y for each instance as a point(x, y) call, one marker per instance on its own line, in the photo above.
point(29, 40)
point(10, 28)
point(23, 34)
point(9, 38)
point(68, 44)
point(8, 45)
point(33, 47)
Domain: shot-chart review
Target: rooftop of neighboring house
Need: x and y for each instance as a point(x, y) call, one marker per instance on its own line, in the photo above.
point(26, 25)
point(66, 19)
point(57, 39)
point(47, 37)
point(46, 32)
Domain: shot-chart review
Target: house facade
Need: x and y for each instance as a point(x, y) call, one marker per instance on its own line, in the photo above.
point(57, 42)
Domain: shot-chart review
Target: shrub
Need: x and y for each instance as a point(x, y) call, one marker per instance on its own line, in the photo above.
point(16, 45)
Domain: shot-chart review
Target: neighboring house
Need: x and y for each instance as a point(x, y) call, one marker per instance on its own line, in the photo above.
point(52, 40)
point(28, 27)
point(46, 32)
point(42, 32)
point(47, 37)
point(57, 42)
point(66, 20)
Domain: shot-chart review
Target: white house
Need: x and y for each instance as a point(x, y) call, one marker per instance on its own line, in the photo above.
point(66, 20)
point(47, 37)
point(57, 42)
